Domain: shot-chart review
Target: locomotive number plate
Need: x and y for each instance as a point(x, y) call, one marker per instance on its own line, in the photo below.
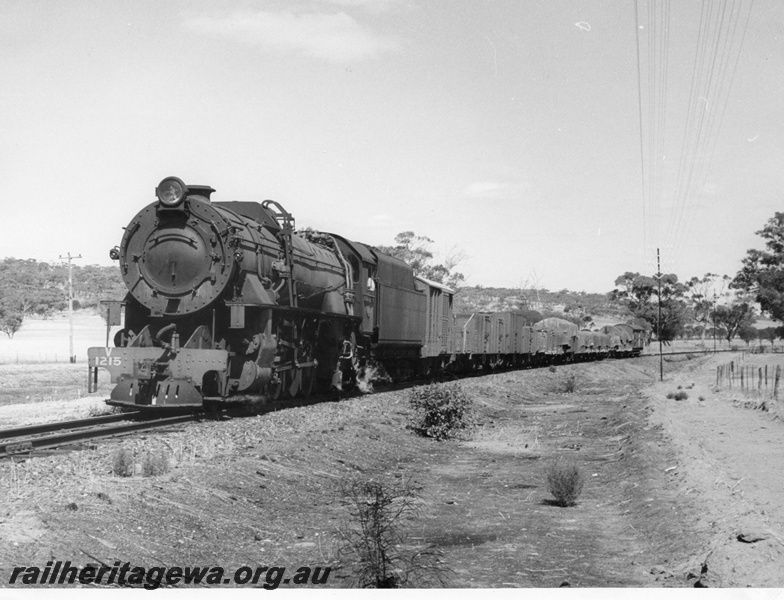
point(108, 361)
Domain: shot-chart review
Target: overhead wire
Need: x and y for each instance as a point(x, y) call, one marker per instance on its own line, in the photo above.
point(709, 91)
point(721, 89)
point(662, 59)
point(715, 94)
point(653, 111)
point(652, 142)
point(642, 136)
point(702, 128)
point(688, 146)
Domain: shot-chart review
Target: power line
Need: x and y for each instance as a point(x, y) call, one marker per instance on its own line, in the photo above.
point(652, 126)
point(639, 103)
point(717, 92)
point(720, 37)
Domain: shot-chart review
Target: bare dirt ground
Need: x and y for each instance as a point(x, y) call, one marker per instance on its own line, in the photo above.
point(677, 493)
point(730, 463)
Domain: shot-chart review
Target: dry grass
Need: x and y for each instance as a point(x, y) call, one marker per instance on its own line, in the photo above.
point(25, 383)
point(155, 463)
point(189, 450)
point(15, 415)
point(76, 471)
point(509, 439)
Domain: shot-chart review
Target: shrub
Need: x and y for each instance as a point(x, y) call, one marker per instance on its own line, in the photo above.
point(375, 542)
point(441, 411)
point(155, 463)
point(569, 384)
point(564, 482)
point(677, 395)
point(122, 462)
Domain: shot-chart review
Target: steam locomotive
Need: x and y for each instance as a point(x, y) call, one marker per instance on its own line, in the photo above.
point(226, 300)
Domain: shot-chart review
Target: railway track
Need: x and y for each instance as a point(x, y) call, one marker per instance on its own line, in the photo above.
point(38, 440)
point(42, 440)
point(683, 352)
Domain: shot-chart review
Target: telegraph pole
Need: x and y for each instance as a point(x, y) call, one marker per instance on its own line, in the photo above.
point(658, 321)
point(71, 355)
point(714, 322)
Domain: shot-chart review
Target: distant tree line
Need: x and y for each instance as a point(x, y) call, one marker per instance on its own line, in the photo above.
point(707, 306)
point(29, 287)
point(713, 305)
point(671, 309)
point(579, 307)
point(534, 301)
point(415, 251)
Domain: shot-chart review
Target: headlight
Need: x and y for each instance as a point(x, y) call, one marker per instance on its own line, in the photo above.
point(171, 191)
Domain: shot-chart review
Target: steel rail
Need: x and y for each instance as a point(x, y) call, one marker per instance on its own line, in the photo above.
point(25, 445)
point(60, 425)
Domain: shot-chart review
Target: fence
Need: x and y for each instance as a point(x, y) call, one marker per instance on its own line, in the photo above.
point(760, 381)
point(19, 358)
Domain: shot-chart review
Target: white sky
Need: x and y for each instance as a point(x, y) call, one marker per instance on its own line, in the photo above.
point(507, 128)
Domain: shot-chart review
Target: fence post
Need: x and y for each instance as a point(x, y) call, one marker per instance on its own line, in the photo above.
point(776, 383)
